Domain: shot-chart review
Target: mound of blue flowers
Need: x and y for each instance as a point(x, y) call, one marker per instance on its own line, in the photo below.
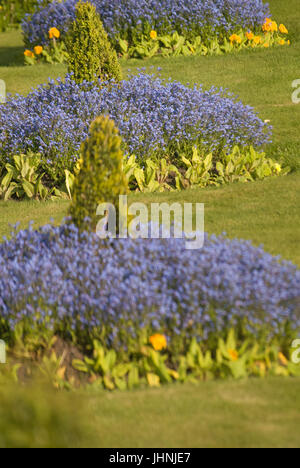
point(133, 19)
point(57, 276)
point(154, 118)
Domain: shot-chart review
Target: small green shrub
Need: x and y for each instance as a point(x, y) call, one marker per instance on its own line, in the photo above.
point(101, 178)
point(91, 55)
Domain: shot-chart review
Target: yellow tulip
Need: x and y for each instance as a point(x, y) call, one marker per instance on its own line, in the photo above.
point(250, 36)
point(235, 38)
point(283, 29)
point(153, 34)
point(269, 26)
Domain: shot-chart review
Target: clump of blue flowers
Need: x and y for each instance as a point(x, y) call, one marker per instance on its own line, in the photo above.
point(154, 117)
point(134, 19)
point(60, 278)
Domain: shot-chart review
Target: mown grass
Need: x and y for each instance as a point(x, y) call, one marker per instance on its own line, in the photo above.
point(250, 413)
point(265, 212)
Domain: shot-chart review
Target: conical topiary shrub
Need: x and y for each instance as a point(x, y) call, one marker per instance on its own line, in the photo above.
point(91, 55)
point(101, 178)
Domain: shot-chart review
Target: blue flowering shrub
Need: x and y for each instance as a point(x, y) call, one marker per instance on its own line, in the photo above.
point(58, 275)
point(155, 118)
point(132, 20)
point(113, 296)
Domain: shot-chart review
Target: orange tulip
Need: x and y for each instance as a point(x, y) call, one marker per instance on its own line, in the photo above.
point(38, 50)
point(158, 341)
point(54, 33)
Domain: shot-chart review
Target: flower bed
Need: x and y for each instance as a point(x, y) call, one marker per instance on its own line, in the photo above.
point(154, 118)
point(170, 27)
point(60, 279)
point(133, 19)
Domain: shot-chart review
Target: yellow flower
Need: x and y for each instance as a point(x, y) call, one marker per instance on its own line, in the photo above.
point(233, 354)
point(54, 32)
point(249, 35)
point(283, 360)
point(235, 38)
point(158, 341)
point(266, 45)
point(283, 29)
point(257, 40)
point(153, 34)
point(274, 26)
point(28, 53)
point(277, 168)
point(281, 41)
point(38, 50)
point(269, 26)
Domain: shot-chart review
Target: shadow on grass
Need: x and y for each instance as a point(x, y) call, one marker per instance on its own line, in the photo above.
point(11, 56)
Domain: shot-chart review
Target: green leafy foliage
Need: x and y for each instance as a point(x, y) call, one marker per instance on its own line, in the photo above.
point(23, 179)
point(56, 52)
point(36, 356)
point(104, 370)
point(100, 179)
point(66, 192)
point(91, 55)
point(175, 44)
point(155, 177)
point(12, 12)
point(246, 166)
point(199, 169)
point(148, 367)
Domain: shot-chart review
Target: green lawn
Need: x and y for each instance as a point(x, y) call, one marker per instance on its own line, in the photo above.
point(254, 413)
point(251, 413)
point(266, 212)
